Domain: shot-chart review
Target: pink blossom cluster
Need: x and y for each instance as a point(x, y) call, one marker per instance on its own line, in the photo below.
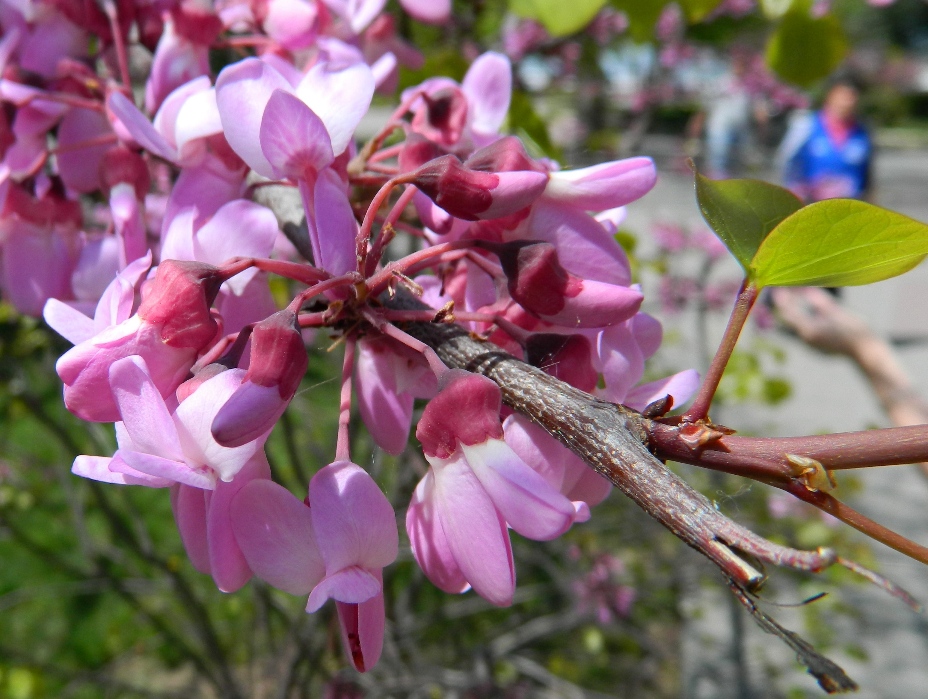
point(133, 228)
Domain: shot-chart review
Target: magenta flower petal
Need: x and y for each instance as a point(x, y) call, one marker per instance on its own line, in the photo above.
point(514, 192)
point(680, 387)
point(428, 541)
point(227, 563)
point(648, 333)
point(429, 11)
point(604, 186)
point(251, 411)
point(80, 167)
point(339, 97)
point(139, 127)
point(386, 412)
point(274, 530)
point(597, 305)
point(194, 418)
point(197, 118)
point(177, 239)
point(362, 631)
point(536, 448)
point(293, 139)
point(584, 247)
point(67, 321)
point(175, 471)
point(352, 584)
point(584, 485)
point(524, 499)
point(488, 86)
point(335, 224)
point(135, 477)
point(189, 506)
point(165, 120)
point(97, 468)
point(354, 523)
point(621, 361)
point(476, 534)
point(242, 92)
point(143, 410)
point(239, 228)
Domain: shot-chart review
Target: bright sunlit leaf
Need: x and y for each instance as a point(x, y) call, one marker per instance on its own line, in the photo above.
point(839, 242)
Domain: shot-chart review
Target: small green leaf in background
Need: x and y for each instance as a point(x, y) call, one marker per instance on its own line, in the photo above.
point(774, 9)
point(804, 49)
point(642, 16)
point(560, 18)
point(839, 242)
point(697, 10)
point(743, 212)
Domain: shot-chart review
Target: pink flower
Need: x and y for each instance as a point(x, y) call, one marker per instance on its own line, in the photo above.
point(335, 548)
point(457, 520)
point(172, 325)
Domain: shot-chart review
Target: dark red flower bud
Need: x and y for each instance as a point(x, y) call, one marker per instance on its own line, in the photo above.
point(466, 410)
point(178, 300)
point(565, 357)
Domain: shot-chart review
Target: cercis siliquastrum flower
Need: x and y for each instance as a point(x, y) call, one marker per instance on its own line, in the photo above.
point(180, 343)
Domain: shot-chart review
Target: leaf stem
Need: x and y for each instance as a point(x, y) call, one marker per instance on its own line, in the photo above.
point(739, 314)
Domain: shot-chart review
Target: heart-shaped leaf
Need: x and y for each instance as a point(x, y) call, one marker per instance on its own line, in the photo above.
point(839, 242)
point(743, 212)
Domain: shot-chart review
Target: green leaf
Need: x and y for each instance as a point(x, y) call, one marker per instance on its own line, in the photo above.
point(560, 18)
point(697, 10)
point(804, 49)
point(839, 242)
point(642, 16)
point(743, 212)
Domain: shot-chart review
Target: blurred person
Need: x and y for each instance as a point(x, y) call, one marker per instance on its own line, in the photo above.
point(728, 114)
point(829, 153)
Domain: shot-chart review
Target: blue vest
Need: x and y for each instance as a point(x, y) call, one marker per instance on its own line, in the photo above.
point(826, 170)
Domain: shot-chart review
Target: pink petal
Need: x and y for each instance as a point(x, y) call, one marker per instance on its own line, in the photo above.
point(291, 23)
point(238, 228)
point(524, 499)
point(428, 541)
point(584, 247)
point(362, 631)
point(97, 468)
point(336, 225)
point(274, 530)
point(621, 361)
point(174, 471)
point(189, 506)
point(648, 333)
point(293, 139)
point(354, 523)
point(430, 11)
point(588, 486)
point(536, 448)
point(387, 413)
point(165, 120)
point(134, 477)
point(226, 561)
point(340, 98)
point(604, 186)
point(251, 411)
point(515, 191)
point(194, 418)
point(679, 386)
point(598, 305)
point(68, 322)
point(80, 167)
point(352, 585)
point(139, 127)
point(476, 534)
point(197, 118)
point(205, 187)
point(242, 92)
point(488, 86)
point(37, 265)
point(144, 414)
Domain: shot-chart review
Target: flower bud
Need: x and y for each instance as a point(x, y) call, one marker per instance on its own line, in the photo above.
point(565, 357)
point(179, 300)
point(474, 195)
point(278, 362)
point(539, 284)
